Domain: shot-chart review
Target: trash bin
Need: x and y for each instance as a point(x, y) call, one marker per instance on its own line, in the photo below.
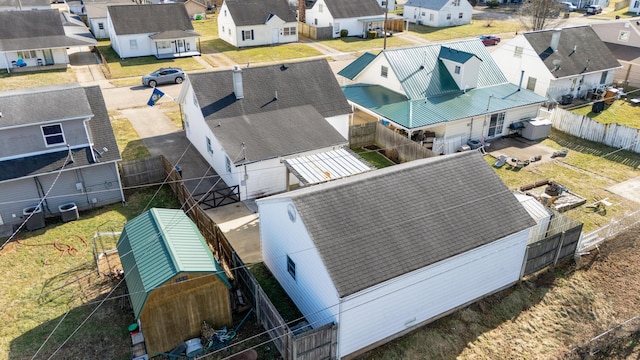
point(68, 212)
point(474, 144)
point(179, 170)
point(36, 221)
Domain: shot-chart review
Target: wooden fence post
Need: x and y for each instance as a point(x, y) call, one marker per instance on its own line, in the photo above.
point(562, 235)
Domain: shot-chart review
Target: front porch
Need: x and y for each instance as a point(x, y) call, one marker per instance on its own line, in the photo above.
point(177, 55)
point(30, 68)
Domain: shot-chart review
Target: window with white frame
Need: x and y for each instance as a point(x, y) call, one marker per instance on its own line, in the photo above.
point(456, 2)
point(133, 44)
point(457, 69)
point(247, 35)
point(431, 17)
point(164, 45)
point(496, 123)
point(448, 16)
point(223, 29)
point(29, 54)
point(384, 71)
point(518, 52)
point(289, 31)
point(228, 164)
point(209, 148)
point(636, 4)
point(531, 83)
point(320, 8)
point(101, 26)
point(459, 15)
point(53, 134)
point(624, 35)
point(603, 77)
point(291, 267)
point(423, 13)
point(195, 99)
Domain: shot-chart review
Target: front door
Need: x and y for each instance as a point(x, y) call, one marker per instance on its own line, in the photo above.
point(495, 125)
point(48, 56)
point(179, 46)
point(275, 36)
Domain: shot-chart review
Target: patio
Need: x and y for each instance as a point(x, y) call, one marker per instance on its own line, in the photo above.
point(519, 148)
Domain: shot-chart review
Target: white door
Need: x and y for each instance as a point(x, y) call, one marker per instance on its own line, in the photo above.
point(275, 36)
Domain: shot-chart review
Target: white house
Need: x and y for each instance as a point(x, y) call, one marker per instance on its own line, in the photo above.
point(18, 5)
point(251, 23)
point(385, 252)
point(453, 91)
point(245, 122)
point(567, 62)
point(355, 16)
point(97, 16)
point(438, 13)
point(622, 38)
point(164, 31)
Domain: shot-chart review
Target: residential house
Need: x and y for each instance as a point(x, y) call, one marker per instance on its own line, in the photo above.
point(560, 64)
point(389, 5)
point(97, 16)
point(251, 23)
point(246, 121)
point(622, 38)
point(385, 252)
point(13, 5)
point(33, 39)
point(195, 8)
point(174, 281)
point(453, 92)
point(164, 31)
point(354, 16)
point(56, 147)
point(438, 13)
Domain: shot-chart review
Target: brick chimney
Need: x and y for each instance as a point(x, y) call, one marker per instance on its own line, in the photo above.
point(301, 11)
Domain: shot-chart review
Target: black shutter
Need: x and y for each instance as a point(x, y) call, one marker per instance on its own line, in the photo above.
point(243, 35)
point(251, 34)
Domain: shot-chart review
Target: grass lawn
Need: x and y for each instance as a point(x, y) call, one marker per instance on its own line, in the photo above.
point(270, 53)
point(621, 112)
point(129, 143)
point(119, 68)
point(351, 43)
point(172, 110)
point(275, 292)
point(374, 158)
point(35, 79)
point(476, 28)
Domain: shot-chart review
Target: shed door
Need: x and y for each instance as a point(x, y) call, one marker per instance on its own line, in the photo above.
point(275, 36)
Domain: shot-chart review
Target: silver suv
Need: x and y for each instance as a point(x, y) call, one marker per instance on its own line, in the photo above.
point(594, 9)
point(163, 76)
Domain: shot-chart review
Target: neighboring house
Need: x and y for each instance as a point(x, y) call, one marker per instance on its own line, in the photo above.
point(383, 253)
point(174, 281)
point(39, 38)
point(388, 5)
point(454, 90)
point(56, 141)
point(250, 23)
point(244, 122)
point(622, 38)
point(164, 31)
point(13, 5)
point(355, 16)
point(438, 13)
point(194, 7)
point(558, 63)
point(97, 16)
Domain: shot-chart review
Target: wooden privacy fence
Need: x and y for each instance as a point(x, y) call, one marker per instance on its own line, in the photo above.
point(314, 32)
point(374, 133)
point(144, 171)
point(614, 135)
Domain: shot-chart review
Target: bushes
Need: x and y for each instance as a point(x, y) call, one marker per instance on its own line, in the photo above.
point(492, 4)
point(344, 33)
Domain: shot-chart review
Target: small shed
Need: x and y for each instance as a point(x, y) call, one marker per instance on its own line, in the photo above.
point(536, 128)
point(174, 282)
point(539, 213)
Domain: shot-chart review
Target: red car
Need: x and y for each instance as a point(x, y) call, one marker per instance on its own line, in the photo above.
point(489, 40)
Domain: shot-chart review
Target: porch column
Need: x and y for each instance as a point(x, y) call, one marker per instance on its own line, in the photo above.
point(287, 176)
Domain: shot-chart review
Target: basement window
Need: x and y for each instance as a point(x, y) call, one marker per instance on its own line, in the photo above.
point(53, 134)
point(291, 267)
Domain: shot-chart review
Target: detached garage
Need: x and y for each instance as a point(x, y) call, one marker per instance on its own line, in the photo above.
point(173, 279)
point(384, 252)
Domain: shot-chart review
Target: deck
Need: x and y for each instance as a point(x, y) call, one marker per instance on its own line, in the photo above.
point(177, 55)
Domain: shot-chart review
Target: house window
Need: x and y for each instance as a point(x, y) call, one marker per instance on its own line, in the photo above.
point(518, 52)
point(133, 44)
point(430, 17)
point(603, 77)
point(456, 2)
point(573, 83)
point(384, 4)
point(448, 16)
point(531, 84)
point(423, 13)
point(209, 148)
point(496, 124)
point(101, 26)
point(225, 13)
point(459, 15)
point(320, 8)
point(53, 134)
point(223, 29)
point(624, 36)
point(195, 99)
point(30, 54)
point(247, 35)
point(290, 30)
point(291, 267)
point(384, 71)
point(228, 164)
point(636, 4)
point(457, 69)
point(229, 31)
point(315, 22)
point(164, 45)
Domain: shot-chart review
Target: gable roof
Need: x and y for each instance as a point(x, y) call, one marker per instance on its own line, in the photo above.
point(341, 9)
point(35, 29)
point(427, 4)
point(76, 101)
point(25, 4)
point(296, 84)
point(355, 67)
point(624, 52)
point(441, 214)
point(96, 10)
point(143, 19)
point(590, 54)
point(158, 245)
point(257, 12)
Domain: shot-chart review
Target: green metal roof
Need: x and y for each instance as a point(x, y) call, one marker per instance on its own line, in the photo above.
point(455, 55)
point(353, 69)
point(439, 109)
point(158, 245)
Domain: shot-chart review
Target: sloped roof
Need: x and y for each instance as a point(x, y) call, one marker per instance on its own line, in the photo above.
point(455, 55)
point(590, 54)
point(355, 67)
point(326, 166)
point(341, 9)
point(449, 205)
point(257, 12)
point(624, 52)
point(100, 128)
point(143, 19)
point(158, 245)
point(96, 10)
point(297, 84)
point(35, 29)
point(427, 4)
point(25, 4)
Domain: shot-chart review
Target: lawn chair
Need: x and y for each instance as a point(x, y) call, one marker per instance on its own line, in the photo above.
point(500, 161)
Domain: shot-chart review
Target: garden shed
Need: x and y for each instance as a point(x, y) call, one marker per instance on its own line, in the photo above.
point(174, 282)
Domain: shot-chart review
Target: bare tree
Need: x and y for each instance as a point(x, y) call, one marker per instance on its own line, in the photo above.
point(541, 14)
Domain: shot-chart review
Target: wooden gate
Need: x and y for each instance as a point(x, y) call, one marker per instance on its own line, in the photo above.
point(219, 197)
point(320, 343)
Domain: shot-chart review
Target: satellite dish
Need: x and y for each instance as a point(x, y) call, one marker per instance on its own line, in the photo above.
point(557, 62)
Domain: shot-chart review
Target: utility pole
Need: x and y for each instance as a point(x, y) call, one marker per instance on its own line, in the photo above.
point(384, 25)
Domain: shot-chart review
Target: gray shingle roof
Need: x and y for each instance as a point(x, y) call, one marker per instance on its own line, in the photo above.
point(254, 12)
point(624, 52)
point(99, 128)
point(143, 19)
point(25, 4)
point(97, 10)
point(341, 9)
point(427, 4)
point(591, 53)
point(299, 83)
point(275, 133)
point(379, 225)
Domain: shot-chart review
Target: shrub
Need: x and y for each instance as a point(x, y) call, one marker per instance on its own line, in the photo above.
point(344, 33)
point(492, 4)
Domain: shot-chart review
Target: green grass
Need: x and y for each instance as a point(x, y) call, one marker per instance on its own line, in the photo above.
point(129, 142)
point(621, 112)
point(476, 28)
point(374, 158)
point(35, 79)
point(270, 53)
point(353, 44)
point(172, 111)
point(207, 28)
point(275, 292)
point(119, 68)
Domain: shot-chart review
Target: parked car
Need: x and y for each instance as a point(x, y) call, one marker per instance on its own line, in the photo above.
point(567, 6)
point(594, 9)
point(163, 76)
point(489, 40)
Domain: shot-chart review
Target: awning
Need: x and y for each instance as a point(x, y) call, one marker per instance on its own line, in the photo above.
point(326, 166)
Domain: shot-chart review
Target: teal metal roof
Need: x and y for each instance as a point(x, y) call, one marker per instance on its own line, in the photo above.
point(455, 55)
point(158, 245)
point(422, 75)
point(439, 109)
point(353, 69)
